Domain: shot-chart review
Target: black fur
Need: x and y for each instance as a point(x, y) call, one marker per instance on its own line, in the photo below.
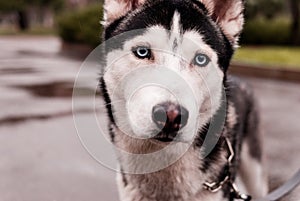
point(107, 100)
point(193, 16)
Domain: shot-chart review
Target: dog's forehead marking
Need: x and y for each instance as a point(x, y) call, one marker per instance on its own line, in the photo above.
point(175, 45)
point(175, 31)
point(175, 28)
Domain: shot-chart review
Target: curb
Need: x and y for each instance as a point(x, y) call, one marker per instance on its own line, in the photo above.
point(276, 73)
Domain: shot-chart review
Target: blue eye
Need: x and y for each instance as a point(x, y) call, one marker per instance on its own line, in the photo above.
point(142, 52)
point(201, 60)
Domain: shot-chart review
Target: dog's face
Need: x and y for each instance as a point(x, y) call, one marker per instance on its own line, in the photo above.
point(167, 62)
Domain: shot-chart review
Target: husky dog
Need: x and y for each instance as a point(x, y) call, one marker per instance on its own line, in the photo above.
point(195, 39)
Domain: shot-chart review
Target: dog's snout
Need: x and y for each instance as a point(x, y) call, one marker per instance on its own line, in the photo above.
point(170, 117)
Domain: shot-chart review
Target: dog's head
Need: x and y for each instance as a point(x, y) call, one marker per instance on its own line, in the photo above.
point(182, 47)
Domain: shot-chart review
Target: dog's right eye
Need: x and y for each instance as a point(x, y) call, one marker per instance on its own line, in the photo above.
point(201, 60)
point(142, 52)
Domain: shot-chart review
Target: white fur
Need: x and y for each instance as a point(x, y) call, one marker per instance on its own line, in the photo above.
point(175, 32)
point(204, 82)
point(252, 174)
point(176, 24)
point(231, 115)
point(180, 181)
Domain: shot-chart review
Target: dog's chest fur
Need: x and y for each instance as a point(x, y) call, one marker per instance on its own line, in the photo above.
point(181, 181)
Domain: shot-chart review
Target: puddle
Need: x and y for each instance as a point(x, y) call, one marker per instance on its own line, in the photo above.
point(33, 53)
point(54, 89)
point(24, 118)
point(20, 119)
point(12, 71)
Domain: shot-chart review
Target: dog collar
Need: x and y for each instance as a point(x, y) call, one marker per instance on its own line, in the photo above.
point(227, 180)
point(214, 187)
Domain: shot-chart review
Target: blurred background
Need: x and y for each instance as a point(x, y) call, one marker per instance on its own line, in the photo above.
point(42, 46)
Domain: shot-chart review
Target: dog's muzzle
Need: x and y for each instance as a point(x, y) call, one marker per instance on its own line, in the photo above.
point(169, 118)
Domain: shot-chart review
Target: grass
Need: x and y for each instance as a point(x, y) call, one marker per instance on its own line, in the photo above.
point(261, 31)
point(283, 57)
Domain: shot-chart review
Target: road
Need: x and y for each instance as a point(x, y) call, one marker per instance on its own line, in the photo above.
point(42, 158)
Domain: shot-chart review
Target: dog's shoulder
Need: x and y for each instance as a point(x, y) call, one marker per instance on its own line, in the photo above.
point(239, 93)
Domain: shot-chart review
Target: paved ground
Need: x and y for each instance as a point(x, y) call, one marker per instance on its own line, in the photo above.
point(42, 158)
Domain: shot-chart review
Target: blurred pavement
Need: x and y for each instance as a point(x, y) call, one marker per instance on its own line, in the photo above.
point(41, 157)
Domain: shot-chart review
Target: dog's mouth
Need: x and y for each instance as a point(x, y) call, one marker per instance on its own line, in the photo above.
point(165, 137)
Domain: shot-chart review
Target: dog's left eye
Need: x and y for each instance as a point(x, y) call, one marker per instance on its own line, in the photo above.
point(142, 52)
point(201, 60)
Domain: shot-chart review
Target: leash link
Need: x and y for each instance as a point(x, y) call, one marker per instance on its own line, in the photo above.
point(214, 186)
point(237, 194)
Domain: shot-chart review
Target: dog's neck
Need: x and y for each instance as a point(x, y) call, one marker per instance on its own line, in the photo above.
point(183, 180)
point(180, 181)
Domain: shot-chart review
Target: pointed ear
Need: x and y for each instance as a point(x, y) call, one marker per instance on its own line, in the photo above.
point(229, 15)
point(114, 9)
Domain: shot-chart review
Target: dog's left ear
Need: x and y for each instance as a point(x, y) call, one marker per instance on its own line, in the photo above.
point(229, 15)
point(114, 9)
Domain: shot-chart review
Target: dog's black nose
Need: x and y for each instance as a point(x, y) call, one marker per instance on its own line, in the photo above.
point(170, 117)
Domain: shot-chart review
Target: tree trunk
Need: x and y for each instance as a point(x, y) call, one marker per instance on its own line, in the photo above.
point(295, 15)
point(23, 20)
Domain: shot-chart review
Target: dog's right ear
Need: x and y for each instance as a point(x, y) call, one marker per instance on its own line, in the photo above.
point(229, 15)
point(114, 9)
